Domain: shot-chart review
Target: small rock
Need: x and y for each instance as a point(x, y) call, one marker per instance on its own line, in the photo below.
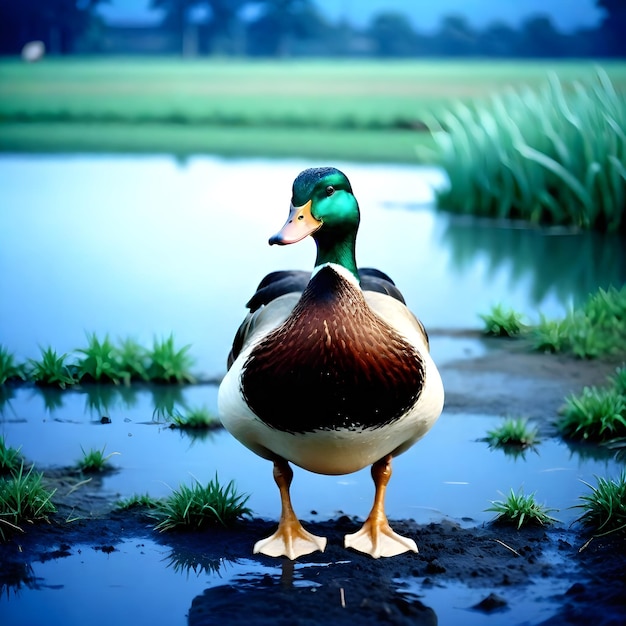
point(435, 567)
point(575, 590)
point(492, 602)
point(105, 420)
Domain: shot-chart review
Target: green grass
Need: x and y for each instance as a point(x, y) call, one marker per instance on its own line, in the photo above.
point(200, 506)
point(363, 110)
point(135, 360)
point(519, 509)
point(326, 145)
point(597, 415)
point(10, 371)
point(103, 361)
point(94, 461)
point(195, 418)
point(138, 501)
point(594, 329)
point(554, 155)
point(100, 362)
point(604, 508)
point(502, 322)
point(513, 432)
point(10, 458)
point(170, 364)
point(52, 370)
point(23, 500)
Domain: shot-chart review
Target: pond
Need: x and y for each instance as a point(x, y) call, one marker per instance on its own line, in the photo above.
point(148, 246)
point(145, 247)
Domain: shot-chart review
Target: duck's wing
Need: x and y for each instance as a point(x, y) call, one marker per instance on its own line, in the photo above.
point(277, 284)
point(270, 289)
point(392, 308)
point(375, 280)
point(264, 305)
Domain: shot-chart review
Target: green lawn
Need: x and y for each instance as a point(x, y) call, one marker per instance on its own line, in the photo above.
point(361, 110)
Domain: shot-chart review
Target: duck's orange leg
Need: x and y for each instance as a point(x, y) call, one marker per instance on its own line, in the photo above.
point(290, 540)
point(376, 537)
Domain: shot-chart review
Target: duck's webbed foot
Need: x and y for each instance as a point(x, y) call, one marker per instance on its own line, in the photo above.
point(290, 539)
point(376, 537)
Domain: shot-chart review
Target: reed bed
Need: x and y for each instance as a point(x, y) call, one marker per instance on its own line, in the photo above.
point(552, 156)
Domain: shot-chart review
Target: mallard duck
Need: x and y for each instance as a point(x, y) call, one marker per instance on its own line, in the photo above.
point(329, 370)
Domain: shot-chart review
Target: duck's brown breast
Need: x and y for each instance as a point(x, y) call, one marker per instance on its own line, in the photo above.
point(332, 365)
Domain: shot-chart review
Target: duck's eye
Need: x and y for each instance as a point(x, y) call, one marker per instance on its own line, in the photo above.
point(330, 190)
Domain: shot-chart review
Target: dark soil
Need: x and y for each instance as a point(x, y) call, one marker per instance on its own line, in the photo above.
point(348, 588)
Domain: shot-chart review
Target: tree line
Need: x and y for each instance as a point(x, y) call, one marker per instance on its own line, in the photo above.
point(281, 28)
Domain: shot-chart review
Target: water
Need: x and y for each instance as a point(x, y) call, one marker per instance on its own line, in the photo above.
point(113, 586)
point(148, 246)
point(154, 458)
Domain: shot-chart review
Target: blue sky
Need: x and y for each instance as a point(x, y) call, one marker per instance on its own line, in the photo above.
point(425, 14)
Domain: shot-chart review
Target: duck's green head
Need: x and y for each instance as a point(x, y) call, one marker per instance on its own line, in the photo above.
point(323, 206)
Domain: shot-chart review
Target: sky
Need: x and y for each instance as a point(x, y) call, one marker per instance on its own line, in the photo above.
point(425, 15)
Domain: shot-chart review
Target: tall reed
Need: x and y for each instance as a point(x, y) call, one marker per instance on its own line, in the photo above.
point(556, 155)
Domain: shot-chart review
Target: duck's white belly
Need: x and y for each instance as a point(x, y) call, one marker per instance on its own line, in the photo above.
point(330, 451)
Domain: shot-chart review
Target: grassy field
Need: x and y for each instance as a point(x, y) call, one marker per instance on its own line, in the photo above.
point(361, 110)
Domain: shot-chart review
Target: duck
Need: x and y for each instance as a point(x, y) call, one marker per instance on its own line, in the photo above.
point(330, 370)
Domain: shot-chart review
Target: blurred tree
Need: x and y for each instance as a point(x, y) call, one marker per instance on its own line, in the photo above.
point(178, 18)
point(58, 23)
point(225, 32)
point(392, 35)
point(455, 37)
point(498, 40)
point(281, 23)
point(539, 38)
point(613, 27)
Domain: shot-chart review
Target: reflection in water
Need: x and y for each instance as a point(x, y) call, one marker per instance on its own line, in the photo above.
point(295, 595)
point(186, 561)
point(571, 265)
point(14, 577)
point(100, 400)
point(516, 453)
point(614, 450)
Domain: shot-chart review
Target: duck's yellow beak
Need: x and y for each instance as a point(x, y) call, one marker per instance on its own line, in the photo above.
point(299, 225)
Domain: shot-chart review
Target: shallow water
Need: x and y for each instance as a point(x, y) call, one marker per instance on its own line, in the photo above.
point(145, 246)
point(149, 246)
point(154, 458)
point(119, 585)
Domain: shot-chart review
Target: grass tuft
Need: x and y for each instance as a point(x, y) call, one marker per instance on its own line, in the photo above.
point(23, 500)
point(52, 370)
point(169, 364)
point(9, 370)
point(502, 322)
point(134, 359)
point(100, 363)
point(513, 432)
point(596, 328)
point(94, 461)
point(604, 508)
point(520, 510)
point(138, 501)
point(195, 418)
point(200, 506)
point(10, 458)
point(596, 415)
